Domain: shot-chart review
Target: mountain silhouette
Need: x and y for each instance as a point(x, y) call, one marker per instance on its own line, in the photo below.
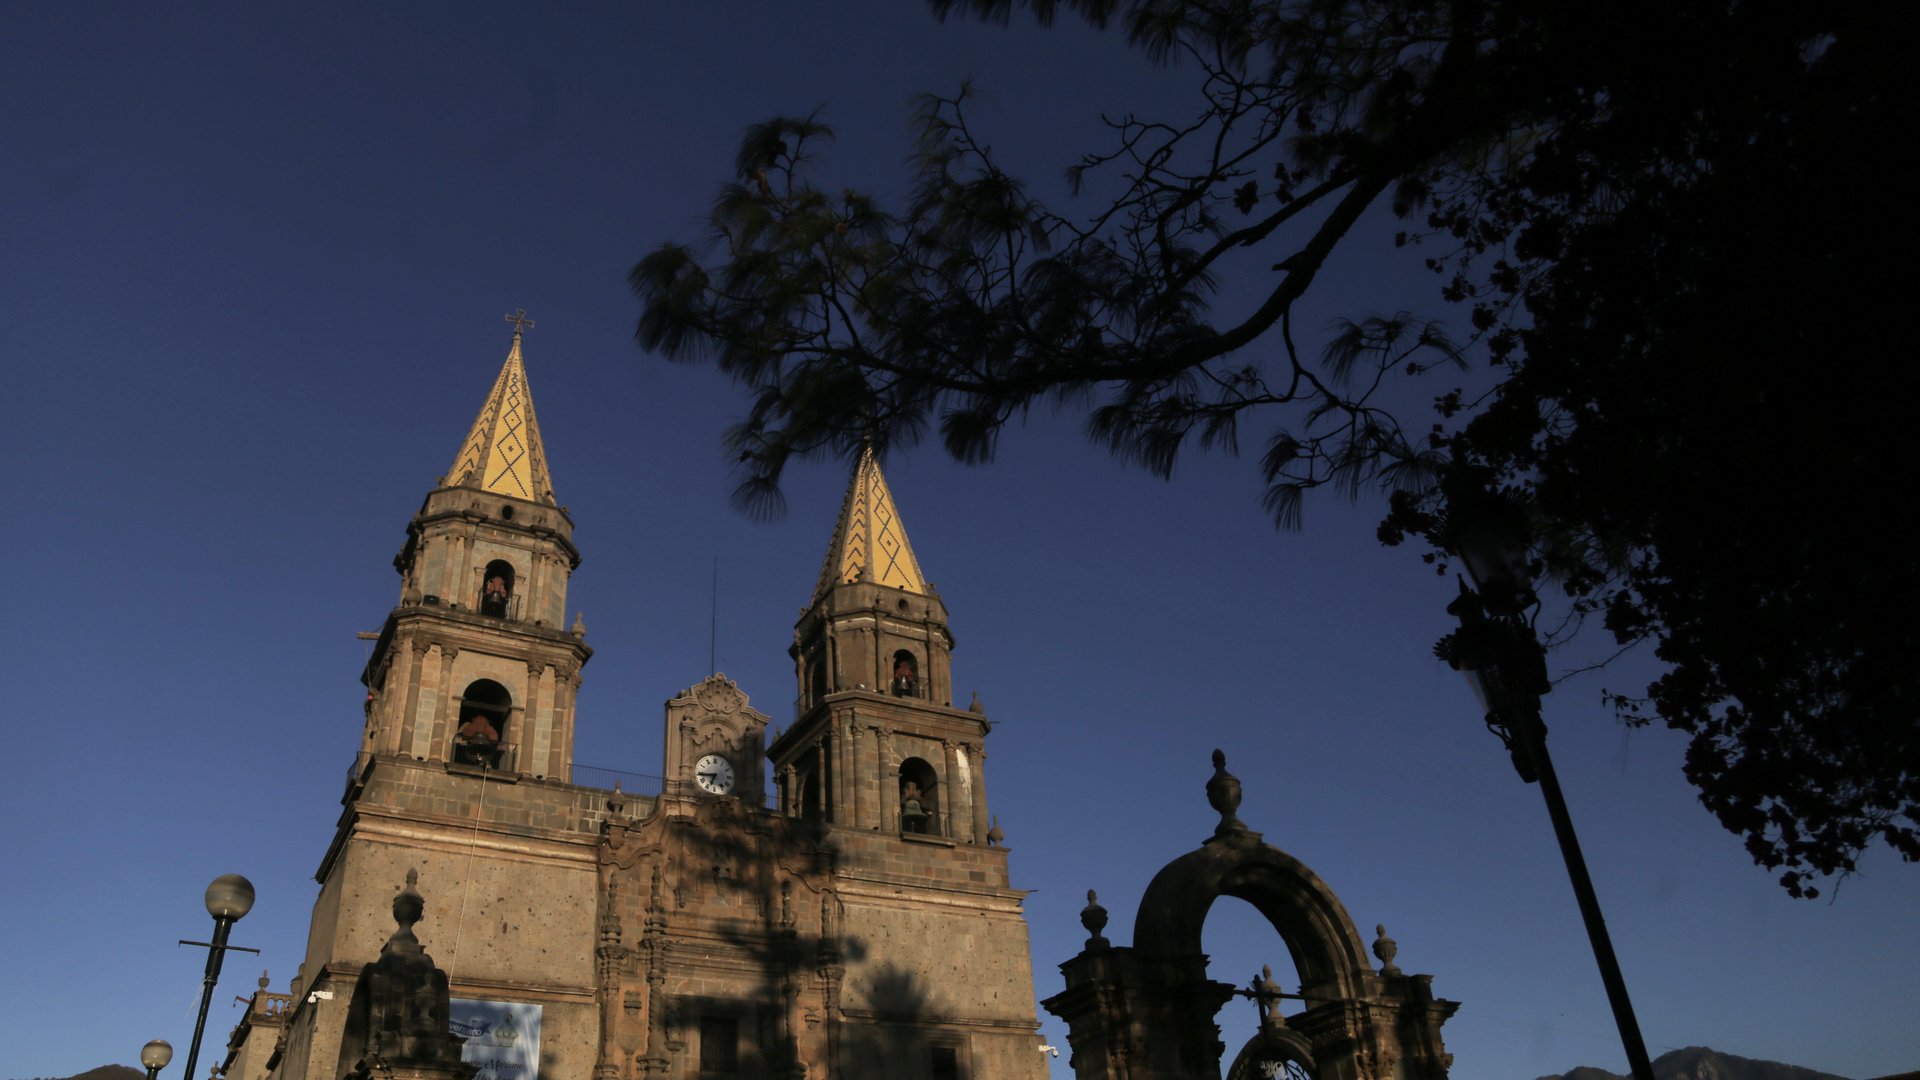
point(1701, 1063)
point(104, 1072)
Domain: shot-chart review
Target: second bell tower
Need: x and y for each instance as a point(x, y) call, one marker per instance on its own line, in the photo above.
point(878, 744)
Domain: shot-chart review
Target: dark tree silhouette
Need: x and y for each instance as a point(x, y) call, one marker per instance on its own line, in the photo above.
point(1675, 230)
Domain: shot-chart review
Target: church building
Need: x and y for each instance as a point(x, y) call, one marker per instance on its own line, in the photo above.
point(831, 903)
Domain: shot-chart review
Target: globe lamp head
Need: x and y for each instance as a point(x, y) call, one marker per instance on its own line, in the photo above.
point(230, 897)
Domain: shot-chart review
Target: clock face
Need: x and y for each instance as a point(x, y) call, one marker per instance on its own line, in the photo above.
point(713, 773)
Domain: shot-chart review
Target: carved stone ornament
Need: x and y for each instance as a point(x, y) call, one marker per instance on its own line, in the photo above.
point(1094, 918)
point(1223, 794)
point(1386, 949)
point(719, 695)
point(398, 1013)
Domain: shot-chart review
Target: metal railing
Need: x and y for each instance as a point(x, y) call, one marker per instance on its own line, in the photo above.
point(508, 608)
point(646, 785)
point(631, 783)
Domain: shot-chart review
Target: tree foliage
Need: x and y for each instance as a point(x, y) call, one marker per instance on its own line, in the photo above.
point(1671, 229)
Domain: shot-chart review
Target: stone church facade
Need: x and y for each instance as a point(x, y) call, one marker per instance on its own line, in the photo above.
point(854, 920)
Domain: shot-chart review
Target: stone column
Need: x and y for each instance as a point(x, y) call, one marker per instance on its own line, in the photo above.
point(953, 789)
point(528, 591)
point(560, 767)
point(828, 781)
point(444, 724)
point(685, 746)
point(850, 775)
point(889, 784)
point(464, 590)
point(933, 683)
point(526, 746)
point(978, 789)
point(855, 783)
point(399, 738)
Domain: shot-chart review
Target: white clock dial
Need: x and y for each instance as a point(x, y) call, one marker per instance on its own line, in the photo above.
point(714, 774)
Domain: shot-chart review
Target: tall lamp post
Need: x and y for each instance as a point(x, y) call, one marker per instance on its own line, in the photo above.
point(1497, 650)
point(229, 899)
point(155, 1056)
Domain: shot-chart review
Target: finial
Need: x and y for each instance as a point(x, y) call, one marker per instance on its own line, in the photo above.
point(1223, 794)
point(976, 708)
point(1094, 918)
point(521, 324)
point(408, 907)
point(264, 981)
point(995, 837)
point(1386, 949)
point(579, 624)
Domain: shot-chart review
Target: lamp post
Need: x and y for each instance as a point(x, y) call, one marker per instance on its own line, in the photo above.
point(155, 1056)
point(1497, 650)
point(229, 899)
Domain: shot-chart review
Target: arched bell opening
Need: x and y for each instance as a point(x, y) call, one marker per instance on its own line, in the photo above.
point(810, 806)
point(484, 709)
point(905, 681)
point(817, 677)
point(919, 797)
point(496, 590)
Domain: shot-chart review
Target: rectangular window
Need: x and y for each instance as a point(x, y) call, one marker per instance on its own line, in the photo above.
point(719, 1046)
point(946, 1063)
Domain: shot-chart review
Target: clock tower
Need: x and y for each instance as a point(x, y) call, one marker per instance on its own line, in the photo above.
point(716, 743)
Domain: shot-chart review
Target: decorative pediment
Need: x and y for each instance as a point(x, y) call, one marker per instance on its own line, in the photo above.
point(716, 702)
point(719, 695)
point(714, 717)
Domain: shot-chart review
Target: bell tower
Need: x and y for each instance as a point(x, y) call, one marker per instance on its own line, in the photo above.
point(474, 668)
point(878, 744)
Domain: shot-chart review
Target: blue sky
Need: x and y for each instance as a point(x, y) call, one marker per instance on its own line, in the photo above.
point(252, 270)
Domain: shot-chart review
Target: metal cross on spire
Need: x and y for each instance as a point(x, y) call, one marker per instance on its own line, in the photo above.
point(521, 323)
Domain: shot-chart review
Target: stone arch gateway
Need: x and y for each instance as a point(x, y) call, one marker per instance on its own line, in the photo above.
point(1146, 1012)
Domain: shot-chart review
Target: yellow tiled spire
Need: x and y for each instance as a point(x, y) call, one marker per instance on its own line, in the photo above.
point(503, 453)
point(869, 543)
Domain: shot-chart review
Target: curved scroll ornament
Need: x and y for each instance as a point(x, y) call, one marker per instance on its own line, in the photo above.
point(718, 694)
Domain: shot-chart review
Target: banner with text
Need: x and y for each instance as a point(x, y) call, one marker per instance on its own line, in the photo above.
point(503, 1037)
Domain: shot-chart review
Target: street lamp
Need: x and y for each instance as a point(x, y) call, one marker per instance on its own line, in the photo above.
point(1497, 650)
point(229, 899)
point(155, 1056)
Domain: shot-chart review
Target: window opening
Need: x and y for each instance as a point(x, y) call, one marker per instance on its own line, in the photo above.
point(810, 809)
point(906, 675)
point(496, 589)
point(719, 1046)
point(919, 797)
point(946, 1063)
point(817, 675)
point(484, 708)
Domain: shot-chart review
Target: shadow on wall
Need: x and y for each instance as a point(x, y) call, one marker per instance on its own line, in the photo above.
point(895, 1041)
